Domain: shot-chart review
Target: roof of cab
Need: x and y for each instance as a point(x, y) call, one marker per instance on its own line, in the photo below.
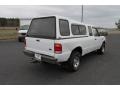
point(62, 17)
point(72, 21)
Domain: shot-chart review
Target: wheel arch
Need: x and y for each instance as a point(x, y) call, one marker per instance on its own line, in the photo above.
point(79, 49)
point(104, 42)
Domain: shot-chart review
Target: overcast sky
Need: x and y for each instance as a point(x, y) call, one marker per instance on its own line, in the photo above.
point(93, 14)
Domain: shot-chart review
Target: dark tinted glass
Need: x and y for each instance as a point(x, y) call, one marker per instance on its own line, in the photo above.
point(75, 30)
point(64, 27)
point(82, 30)
point(43, 28)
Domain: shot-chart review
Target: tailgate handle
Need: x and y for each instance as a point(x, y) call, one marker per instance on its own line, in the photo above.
point(37, 40)
point(50, 49)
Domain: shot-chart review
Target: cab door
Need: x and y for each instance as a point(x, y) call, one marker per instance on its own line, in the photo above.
point(92, 40)
point(97, 40)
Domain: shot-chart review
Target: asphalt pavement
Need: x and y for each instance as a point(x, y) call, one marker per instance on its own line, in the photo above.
point(16, 69)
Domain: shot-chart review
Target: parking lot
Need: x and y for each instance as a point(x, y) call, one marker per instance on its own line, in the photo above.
point(15, 67)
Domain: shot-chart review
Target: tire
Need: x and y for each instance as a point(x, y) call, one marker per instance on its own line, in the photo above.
point(19, 40)
point(101, 51)
point(44, 62)
point(73, 63)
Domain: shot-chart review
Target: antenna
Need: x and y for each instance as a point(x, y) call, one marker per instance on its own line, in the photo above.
point(82, 14)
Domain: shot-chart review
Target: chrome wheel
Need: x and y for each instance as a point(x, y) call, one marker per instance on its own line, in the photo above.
point(76, 62)
point(73, 64)
point(103, 49)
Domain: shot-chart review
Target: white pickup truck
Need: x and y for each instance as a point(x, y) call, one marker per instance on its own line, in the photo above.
point(62, 41)
point(22, 32)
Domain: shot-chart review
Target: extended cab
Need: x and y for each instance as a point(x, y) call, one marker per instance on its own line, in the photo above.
point(61, 40)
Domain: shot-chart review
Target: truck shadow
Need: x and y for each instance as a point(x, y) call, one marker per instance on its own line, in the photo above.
point(56, 68)
point(54, 73)
point(88, 57)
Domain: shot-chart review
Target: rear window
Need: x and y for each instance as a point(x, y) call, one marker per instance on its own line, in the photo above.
point(64, 27)
point(43, 28)
point(82, 30)
point(78, 29)
point(75, 30)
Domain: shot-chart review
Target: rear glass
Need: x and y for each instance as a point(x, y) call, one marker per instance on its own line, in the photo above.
point(78, 29)
point(64, 27)
point(82, 30)
point(42, 28)
point(75, 30)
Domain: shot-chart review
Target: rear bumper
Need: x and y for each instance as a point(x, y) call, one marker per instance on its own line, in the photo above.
point(29, 53)
point(44, 58)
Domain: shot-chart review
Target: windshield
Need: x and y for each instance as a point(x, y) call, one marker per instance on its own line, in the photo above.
point(24, 27)
point(42, 28)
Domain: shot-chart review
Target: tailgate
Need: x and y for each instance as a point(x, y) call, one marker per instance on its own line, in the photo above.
point(40, 45)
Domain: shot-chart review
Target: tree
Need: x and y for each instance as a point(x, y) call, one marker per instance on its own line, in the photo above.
point(3, 22)
point(9, 22)
point(118, 24)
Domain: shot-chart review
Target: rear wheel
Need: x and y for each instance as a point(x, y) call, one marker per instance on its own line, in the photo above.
point(73, 63)
point(19, 39)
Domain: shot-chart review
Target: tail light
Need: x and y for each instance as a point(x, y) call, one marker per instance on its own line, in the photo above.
point(57, 48)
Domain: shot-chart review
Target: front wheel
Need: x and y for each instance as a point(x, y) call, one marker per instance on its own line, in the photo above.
point(102, 49)
point(73, 63)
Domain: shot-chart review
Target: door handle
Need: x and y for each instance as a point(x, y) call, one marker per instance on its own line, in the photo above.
point(37, 40)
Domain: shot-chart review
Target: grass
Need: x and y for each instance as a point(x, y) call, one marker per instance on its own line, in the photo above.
point(8, 34)
point(12, 34)
point(114, 32)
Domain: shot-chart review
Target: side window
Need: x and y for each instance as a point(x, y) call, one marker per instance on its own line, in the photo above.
point(90, 30)
point(95, 32)
point(82, 29)
point(75, 30)
point(64, 27)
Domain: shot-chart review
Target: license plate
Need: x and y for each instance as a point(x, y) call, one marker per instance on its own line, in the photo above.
point(38, 56)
